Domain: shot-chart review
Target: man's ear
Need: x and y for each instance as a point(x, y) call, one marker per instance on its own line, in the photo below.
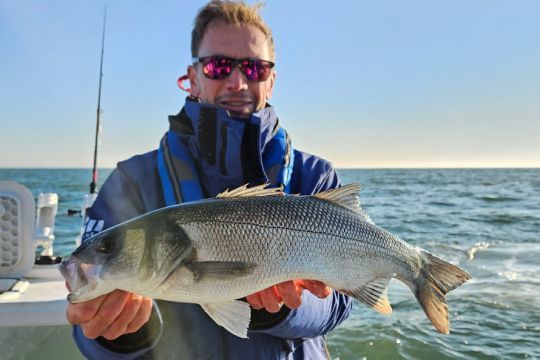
point(271, 83)
point(194, 84)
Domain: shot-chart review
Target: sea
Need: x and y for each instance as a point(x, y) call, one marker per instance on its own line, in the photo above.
point(487, 221)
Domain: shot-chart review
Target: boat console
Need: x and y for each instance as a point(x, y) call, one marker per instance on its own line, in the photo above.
point(31, 292)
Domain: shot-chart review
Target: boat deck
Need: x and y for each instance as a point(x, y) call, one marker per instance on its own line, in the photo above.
point(39, 299)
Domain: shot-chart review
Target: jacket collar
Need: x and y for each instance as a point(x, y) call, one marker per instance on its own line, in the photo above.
point(227, 151)
point(265, 120)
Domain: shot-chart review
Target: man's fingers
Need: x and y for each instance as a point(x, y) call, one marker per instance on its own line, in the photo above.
point(82, 312)
point(290, 294)
point(271, 300)
point(317, 288)
point(109, 310)
point(119, 326)
point(255, 301)
point(142, 316)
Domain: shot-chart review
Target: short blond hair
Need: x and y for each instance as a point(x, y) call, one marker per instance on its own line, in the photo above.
point(236, 13)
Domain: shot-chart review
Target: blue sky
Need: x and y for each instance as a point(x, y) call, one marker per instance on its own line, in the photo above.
point(364, 84)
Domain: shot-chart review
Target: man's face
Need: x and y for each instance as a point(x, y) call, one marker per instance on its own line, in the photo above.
point(234, 93)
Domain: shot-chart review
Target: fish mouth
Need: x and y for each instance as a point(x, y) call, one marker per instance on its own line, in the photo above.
point(81, 278)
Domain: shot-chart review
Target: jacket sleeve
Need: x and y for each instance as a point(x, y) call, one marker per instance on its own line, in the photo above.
point(118, 201)
point(129, 346)
point(315, 316)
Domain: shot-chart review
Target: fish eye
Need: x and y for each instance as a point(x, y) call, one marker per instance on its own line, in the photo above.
point(105, 245)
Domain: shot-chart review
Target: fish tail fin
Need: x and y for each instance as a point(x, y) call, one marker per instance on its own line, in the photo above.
point(437, 278)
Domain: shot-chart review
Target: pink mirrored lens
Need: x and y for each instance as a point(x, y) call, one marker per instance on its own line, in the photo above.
point(218, 68)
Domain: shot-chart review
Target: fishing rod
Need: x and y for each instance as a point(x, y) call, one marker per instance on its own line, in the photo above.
point(93, 184)
point(89, 198)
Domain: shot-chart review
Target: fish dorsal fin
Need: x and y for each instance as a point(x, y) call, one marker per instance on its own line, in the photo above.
point(244, 191)
point(372, 294)
point(346, 196)
point(233, 315)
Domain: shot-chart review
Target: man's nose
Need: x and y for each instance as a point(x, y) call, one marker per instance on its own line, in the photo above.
point(236, 81)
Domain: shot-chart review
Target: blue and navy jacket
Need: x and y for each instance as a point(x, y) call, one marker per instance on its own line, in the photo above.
point(180, 330)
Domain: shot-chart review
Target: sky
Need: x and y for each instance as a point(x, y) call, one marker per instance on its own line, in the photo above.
point(364, 84)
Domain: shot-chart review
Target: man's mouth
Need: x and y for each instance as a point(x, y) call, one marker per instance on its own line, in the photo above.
point(240, 106)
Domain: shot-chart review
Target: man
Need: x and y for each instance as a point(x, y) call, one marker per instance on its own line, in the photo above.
point(225, 136)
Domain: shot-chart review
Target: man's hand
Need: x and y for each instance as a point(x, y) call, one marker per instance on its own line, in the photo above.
point(288, 293)
point(110, 315)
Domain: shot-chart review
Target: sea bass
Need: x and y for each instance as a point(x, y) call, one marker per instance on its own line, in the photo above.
point(213, 251)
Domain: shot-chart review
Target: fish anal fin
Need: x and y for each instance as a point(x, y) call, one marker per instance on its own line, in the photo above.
point(372, 294)
point(244, 191)
point(233, 315)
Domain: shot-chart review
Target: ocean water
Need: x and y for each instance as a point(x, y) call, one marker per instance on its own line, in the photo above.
point(484, 220)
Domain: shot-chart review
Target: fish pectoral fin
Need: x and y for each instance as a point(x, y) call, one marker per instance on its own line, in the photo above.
point(220, 269)
point(233, 315)
point(373, 294)
point(244, 191)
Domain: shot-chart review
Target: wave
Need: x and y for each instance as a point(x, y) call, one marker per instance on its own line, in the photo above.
point(478, 246)
point(441, 203)
point(499, 219)
point(497, 198)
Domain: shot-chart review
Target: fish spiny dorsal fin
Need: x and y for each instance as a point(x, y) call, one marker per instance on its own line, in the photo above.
point(244, 191)
point(346, 196)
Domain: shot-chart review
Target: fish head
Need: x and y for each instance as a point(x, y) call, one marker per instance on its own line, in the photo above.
point(134, 256)
point(89, 268)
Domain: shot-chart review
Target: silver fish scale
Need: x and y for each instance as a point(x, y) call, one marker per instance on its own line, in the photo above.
point(287, 238)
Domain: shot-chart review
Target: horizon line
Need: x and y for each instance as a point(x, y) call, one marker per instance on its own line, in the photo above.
point(337, 168)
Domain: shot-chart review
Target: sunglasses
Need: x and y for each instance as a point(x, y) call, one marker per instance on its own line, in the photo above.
point(219, 67)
